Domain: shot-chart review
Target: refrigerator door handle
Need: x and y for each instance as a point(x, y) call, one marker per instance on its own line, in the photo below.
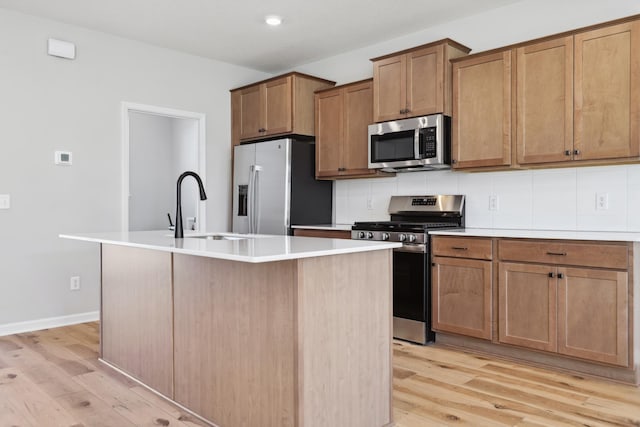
point(256, 197)
point(250, 199)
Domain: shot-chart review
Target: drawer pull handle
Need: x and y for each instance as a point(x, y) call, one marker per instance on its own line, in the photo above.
point(459, 248)
point(557, 253)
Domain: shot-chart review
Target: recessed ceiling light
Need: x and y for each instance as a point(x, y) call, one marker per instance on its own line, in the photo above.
point(273, 20)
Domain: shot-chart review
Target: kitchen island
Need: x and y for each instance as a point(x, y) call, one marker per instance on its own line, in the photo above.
point(259, 331)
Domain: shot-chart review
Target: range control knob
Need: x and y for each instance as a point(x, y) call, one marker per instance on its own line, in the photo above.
point(412, 238)
point(402, 237)
point(385, 236)
point(361, 235)
point(369, 235)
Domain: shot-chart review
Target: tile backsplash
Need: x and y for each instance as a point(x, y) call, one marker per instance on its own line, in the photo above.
point(553, 199)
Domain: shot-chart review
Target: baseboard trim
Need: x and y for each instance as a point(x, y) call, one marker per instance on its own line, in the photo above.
point(50, 322)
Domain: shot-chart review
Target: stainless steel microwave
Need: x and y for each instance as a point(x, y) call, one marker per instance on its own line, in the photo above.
point(419, 143)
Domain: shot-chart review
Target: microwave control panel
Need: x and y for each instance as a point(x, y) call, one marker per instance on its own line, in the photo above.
point(428, 142)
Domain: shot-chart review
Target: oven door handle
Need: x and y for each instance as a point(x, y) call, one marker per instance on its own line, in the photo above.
point(420, 248)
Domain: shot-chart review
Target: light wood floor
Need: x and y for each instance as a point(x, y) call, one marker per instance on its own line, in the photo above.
point(53, 378)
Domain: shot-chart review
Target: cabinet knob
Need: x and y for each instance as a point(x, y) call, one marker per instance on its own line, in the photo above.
point(567, 152)
point(576, 152)
point(552, 275)
point(454, 161)
point(262, 130)
point(402, 111)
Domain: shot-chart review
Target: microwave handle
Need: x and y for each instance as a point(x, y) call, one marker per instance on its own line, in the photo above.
point(416, 144)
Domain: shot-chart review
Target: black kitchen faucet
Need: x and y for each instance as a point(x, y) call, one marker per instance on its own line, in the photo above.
point(179, 233)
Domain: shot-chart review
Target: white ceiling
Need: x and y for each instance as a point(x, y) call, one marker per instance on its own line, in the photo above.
point(235, 32)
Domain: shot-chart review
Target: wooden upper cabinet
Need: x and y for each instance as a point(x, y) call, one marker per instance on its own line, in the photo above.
point(358, 102)
point(329, 132)
point(343, 114)
point(482, 111)
point(544, 79)
point(251, 109)
point(390, 87)
point(278, 106)
point(414, 82)
point(607, 92)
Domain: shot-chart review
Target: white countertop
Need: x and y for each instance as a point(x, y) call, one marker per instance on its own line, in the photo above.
point(344, 227)
point(255, 248)
point(612, 236)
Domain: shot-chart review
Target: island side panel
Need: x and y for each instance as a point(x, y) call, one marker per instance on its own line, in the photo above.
point(234, 340)
point(137, 316)
point(345, 340)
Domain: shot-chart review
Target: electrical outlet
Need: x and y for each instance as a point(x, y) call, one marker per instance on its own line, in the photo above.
point(74, 283)
point(5, 201)
point(493, 202)
point(602, 201)
point(369, 203)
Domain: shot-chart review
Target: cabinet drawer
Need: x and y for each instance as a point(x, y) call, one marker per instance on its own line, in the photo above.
point(587, 254)
point(462, 247)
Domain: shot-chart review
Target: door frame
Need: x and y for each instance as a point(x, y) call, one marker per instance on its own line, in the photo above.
point(128, 107)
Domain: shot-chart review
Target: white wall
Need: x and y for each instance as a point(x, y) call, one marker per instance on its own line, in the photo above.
point(151, 179)
point(50, 104)
point(184, 133)
point(542, 199)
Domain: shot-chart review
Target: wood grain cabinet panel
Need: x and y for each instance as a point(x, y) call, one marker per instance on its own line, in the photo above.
point(482, 111)
point(327, 234)
point(593, 314)
point(461, 295)
point(527, 306)
point(607, 92)
point(137, 290)
point(343, 115)
point(278, 106)
point(544, 78)
point(414, 82)
point(462, 247)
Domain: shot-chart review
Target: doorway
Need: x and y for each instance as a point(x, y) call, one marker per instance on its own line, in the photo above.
point(158, 144)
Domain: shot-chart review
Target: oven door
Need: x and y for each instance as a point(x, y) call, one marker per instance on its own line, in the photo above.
point(411, 294)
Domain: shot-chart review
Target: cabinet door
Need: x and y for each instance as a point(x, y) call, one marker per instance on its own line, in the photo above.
point(251, 111)
point(482, 111)
point(389, 88)
point(527, 306)
point(461, 293)
point(593, 314)
point(425, 81)
point(358, 115)
point(278, 102)
point(544, 78)
point(329, 133)
point(607, 92)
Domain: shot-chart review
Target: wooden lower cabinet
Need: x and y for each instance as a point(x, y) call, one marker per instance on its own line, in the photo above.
point(593, 314)
point(461, 292)
point(527, 306)
point(579, 312)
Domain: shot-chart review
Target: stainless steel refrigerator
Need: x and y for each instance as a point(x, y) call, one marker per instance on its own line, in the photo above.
point(274, 187)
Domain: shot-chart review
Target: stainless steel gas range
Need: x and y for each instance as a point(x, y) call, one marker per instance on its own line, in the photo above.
point(412, 217)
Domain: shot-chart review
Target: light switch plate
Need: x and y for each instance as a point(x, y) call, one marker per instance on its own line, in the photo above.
point(5, 201)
